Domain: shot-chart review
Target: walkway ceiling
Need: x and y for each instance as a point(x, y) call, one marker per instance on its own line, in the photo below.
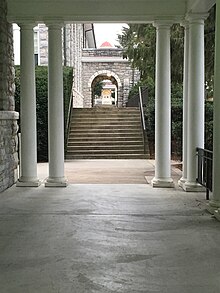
point(104, 11)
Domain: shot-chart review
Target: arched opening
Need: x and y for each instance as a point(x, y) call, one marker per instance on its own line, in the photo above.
point(104, 90)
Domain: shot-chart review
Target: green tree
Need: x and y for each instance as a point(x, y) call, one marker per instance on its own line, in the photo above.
point(139, 44)
point(97, 90)
point(210, 51)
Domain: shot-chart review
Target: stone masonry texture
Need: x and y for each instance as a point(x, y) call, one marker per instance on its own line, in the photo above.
point(8, 118)
point(83, 71)
point(120, 68)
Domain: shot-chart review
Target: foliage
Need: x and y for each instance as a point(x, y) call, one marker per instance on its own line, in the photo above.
point(209, 125)
point(139, 44)
point(210, 51)
point(176, 114)
point(97, 90)
point(42, 104)
point(177, 121)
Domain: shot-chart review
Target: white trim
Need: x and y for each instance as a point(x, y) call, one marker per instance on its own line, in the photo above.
point(108, 73)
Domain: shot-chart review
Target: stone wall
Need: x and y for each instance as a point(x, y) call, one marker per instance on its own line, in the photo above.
point(8, 118)
point(6, 61)
point(117, 67)
point(106, 52)
point(73, 45)
point(8, 149)
point(43, 44)
point(77, 99)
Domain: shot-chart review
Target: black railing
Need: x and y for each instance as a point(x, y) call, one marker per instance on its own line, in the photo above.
point(140, 100)
point(141, 106)
point(205, 169)
point(70, 107)
point(134, 101)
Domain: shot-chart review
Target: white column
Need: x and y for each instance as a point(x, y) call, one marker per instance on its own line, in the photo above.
point(214, 204)
point(55, 108)
point(28, 160)
point(185, 104)
point(162, 108)
point(196, 96)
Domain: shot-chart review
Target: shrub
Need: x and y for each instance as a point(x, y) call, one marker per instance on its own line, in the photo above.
point(176, 118)
point(209, 125)
point(42, 104)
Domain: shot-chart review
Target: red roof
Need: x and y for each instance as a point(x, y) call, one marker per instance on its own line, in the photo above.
point(106, 45)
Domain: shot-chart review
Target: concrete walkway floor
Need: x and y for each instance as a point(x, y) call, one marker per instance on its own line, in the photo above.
point(104, 238)
point(108, 171)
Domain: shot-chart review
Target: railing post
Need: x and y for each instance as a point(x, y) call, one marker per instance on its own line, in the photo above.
point(205, 169)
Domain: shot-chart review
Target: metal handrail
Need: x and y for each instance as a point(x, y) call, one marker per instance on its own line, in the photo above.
point(142, 117)
point(69, 116)
point(205, 158)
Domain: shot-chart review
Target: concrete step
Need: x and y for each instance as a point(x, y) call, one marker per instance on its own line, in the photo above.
point(108, 128)
point(105, 124)
point(105, 151)
point(103, 119)
point(104, 143)
point(103, 139)
point(107, 109)
point(105, 133)
point(103, 114)
point(108, 135)
point(106, 156)
point(73, 148)
point(99, 132)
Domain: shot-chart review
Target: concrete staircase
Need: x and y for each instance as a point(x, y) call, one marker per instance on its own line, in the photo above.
point(105, 133)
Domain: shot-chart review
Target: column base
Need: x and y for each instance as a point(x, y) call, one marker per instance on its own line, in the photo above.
point(213, 207)
point(162, 182)
point(181, 182)
point(28, 182)
point(192, 187)
point(56, 182)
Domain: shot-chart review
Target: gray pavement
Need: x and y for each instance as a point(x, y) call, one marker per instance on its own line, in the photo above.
point(107, 238)
point(108, 171)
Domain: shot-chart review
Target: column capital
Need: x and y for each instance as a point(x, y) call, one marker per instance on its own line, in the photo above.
point(54, 26)
point(198, 18)
point(162, 24)
point(185, 24)
point(26, 25)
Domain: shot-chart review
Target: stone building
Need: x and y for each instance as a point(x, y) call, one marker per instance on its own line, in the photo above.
point(8, 117)
point(88, 62)
point(75, 37)
point(107, 63)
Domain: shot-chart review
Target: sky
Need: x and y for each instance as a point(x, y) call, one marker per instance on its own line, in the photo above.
point(107, 32)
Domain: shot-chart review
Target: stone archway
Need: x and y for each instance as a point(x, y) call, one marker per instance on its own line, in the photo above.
point(103, 75)
point(110, 63)
point(108, 90)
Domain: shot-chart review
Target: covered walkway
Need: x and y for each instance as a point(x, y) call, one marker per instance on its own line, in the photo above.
point(109, 171)
point(107, 238)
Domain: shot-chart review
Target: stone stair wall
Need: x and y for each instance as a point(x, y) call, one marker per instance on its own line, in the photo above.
point(105, 133)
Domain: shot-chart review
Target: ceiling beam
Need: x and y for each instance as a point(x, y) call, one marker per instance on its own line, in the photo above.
point(95, 10)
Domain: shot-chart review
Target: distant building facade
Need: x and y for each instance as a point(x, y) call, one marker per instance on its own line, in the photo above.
point(89, 63)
